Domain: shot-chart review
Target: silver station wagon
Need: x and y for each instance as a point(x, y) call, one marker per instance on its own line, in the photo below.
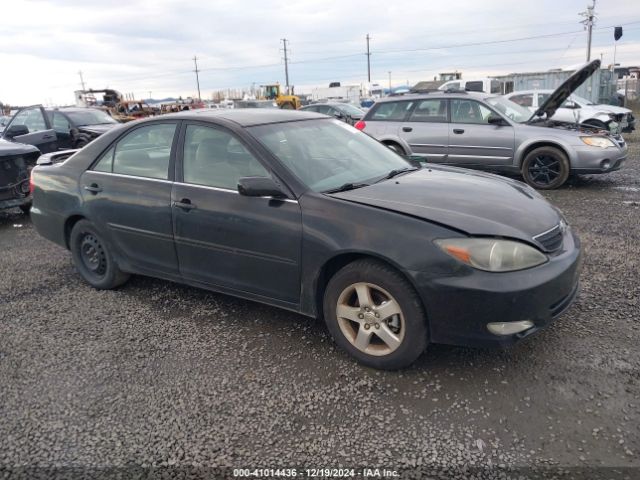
point(488, 132)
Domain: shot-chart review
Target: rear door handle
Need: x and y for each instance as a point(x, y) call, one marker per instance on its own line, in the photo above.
point(184, 204)
point(407, 129)
point(458, 131)
point(93, 188)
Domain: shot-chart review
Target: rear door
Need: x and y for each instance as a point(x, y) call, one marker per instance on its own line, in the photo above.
point(38, 128)
point(426, 131)
point(127, 194)
point(473, 140)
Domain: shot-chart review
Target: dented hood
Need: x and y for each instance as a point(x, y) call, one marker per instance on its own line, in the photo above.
point(565, 90)
point(473, 202)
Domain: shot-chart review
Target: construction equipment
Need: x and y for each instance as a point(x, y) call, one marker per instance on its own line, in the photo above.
point(289, 102)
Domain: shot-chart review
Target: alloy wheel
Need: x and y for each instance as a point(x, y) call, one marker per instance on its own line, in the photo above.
point(544, 169)
point(370, 319)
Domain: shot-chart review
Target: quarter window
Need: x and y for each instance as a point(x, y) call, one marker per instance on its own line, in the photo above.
point(392, 111)
point(105, 164)
point(145, 151)
point(434, 111)
point(215, 158)
point(469, 111)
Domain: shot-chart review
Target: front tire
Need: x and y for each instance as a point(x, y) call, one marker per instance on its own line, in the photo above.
point(545, 168)
point(396, 148)
point(374, 314)
point(93, 259)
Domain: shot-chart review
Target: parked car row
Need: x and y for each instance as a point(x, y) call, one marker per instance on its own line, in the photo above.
point(492, 133)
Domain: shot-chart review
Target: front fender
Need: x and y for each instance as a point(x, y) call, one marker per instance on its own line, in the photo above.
point(549, 141)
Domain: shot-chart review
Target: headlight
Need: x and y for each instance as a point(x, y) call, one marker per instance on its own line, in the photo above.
point(601, 142)
point(493, 255)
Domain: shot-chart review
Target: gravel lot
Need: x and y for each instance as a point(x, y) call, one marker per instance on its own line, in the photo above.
point(160, 380)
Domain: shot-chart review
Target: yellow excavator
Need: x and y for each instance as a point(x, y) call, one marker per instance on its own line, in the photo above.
point(289, 102)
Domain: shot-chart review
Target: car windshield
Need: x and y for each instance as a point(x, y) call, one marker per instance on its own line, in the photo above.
point(328, 154)
point(89, 117)
point(580, 100)
point(510, 109)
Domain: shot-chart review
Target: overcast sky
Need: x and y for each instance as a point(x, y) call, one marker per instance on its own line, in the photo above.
point(140, 46)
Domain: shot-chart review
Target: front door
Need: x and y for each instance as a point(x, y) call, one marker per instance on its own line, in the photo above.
point(127, 194)
point(427, 130)
point(247, 244)
point(62, 127)
point(32, 127)
point(473, 140)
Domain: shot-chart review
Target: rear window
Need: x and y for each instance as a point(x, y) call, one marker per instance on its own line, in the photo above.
point(391, 111)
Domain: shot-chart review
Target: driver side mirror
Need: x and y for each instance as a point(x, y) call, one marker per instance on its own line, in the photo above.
point(16, 131)
point(570, 104)
point(259, 187)
point(339, 115)
point(496, 120)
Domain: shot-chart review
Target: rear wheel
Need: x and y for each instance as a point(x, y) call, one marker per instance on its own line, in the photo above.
point(374, 314)
point(545, 168)
point(92, 258)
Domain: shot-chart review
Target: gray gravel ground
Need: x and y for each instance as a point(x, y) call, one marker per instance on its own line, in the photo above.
point(158, 380)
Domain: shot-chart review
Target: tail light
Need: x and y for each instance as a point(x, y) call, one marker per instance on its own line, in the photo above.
point(360, 124)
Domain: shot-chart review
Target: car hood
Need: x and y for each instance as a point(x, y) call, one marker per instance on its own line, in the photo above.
point(473, 202)
point(98, 129)
point(8, 148)
point(564, 91)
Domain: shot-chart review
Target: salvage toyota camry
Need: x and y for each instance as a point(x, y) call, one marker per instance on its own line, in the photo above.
point(304, 212)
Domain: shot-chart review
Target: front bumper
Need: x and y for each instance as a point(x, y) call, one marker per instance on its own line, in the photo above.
point(14, 202)
point(460, 307)
point(599, 160)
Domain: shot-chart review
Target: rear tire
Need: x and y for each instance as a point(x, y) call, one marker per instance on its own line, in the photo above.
point(545, 168)
point(93, 259)
point(375, 314)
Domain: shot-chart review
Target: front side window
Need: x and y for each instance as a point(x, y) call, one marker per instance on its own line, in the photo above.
point(434, 111)
point(469, 111)
point(392, 111)
point(326, 154)
point(31, 118)
point(145, 151)
point(215, 158)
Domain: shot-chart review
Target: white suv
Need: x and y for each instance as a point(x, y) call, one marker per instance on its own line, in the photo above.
point(579, 110)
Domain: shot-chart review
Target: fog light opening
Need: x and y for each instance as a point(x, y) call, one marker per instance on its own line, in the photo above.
point(509, 328)
point(605, 164)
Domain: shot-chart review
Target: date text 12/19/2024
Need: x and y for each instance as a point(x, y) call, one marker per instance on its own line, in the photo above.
point(315, 472)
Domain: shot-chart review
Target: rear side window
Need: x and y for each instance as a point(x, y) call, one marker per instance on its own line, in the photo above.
point(524, 100)
point(391, 111)
point(476, 86)
point(144, 152)
point(433, 111)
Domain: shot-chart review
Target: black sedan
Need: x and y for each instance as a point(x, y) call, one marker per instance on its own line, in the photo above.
point(342, 111)
point(304, 212)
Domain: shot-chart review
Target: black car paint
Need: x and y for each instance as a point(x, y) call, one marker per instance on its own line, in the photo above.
point(282, 251)
point(77, 135)
point(16, 162)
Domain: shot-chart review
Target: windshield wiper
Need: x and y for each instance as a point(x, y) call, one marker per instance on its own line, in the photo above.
point(398, 171)
point(346, 187)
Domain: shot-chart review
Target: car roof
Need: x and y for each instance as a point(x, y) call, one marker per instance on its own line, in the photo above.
point(435, 94)
point(247, 117)
point(71, 109)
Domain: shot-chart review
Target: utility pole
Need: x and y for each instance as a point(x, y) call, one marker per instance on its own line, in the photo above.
point(81, 80)
point(368, 60)
point(589, 19)
point(195, 62)
point(149, 94)
point(389, 82)
point(286, 63)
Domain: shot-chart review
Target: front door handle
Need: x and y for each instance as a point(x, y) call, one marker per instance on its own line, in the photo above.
point(184, 204)
point(47, 137)
point(407, 129)
point(93, 188)
point(458, 131)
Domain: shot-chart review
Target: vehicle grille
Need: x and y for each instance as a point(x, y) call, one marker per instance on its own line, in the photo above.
point(551, 240)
